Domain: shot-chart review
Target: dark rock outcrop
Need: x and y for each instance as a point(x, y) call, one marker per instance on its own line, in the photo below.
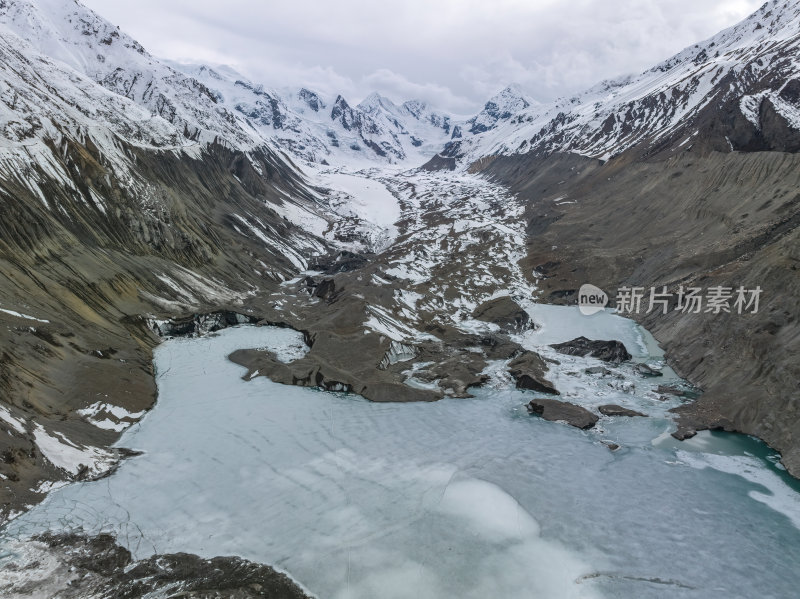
point(686, 393)
point(505, 313)
point(198, 324)
point(326, 290)
point(528, 370)
point(456, 374)
point(615, 410)
point(608, 351)
point(554, 410)
point(496, 347)
point(83, 566)
point(336, 362)
point(601, 370)
point(344, 261)
point(440, 163)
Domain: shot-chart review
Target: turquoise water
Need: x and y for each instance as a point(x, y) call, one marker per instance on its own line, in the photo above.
point(458, 498)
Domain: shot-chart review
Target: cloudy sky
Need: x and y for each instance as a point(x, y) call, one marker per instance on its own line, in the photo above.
point(452, 53)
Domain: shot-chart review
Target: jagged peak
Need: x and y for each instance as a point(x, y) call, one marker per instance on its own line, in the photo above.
point(502, 106)
point(340, 101)
point(375, 102)
point(311, 99)
point(511, 99)
point(415, 107)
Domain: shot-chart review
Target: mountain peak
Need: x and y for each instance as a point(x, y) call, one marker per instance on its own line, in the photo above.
point(746, 72)
point(311, 99)
point(500, 107)
point(511, 99)
point(375, 102)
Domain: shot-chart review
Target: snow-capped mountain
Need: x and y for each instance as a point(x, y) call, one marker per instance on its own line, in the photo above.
point(738, 90)
point(500, 108)
point(84, 107)
point(328, 129)
point(71, 36)
point(189, 104)
point(425, 127)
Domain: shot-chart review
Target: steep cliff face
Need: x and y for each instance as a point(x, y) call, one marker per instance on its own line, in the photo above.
point(81, 287)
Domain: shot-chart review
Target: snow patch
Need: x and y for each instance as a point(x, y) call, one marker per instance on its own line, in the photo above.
point(66, 455)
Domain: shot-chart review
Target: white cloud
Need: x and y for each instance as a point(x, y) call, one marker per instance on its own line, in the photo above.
point(452, 53)
point(399, 88)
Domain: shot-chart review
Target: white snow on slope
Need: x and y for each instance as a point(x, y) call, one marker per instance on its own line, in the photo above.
point(66, 455)
point(75, 39)
point(15, 423)
point(615, 115)
point(367, 199)
point(20, 315)
point(326, 129)
point(110, 417)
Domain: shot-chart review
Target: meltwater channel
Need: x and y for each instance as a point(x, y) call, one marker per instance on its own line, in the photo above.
point(458, 498)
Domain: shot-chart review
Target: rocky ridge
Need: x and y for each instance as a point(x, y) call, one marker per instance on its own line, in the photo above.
point(81, 567)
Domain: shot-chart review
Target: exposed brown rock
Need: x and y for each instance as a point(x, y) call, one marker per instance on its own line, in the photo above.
point(615, 410)
point(552, 409)
point(504, 312)
point(608, 351)
point(76, 566)
point(347, 363)
point(528, 370)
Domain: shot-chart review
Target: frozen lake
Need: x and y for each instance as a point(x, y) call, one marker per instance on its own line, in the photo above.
point(459, 498)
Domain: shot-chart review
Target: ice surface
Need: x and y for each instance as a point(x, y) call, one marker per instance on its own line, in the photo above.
point(557, 324)
point(776, 492)
point(369, 200)
point(457, 498)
